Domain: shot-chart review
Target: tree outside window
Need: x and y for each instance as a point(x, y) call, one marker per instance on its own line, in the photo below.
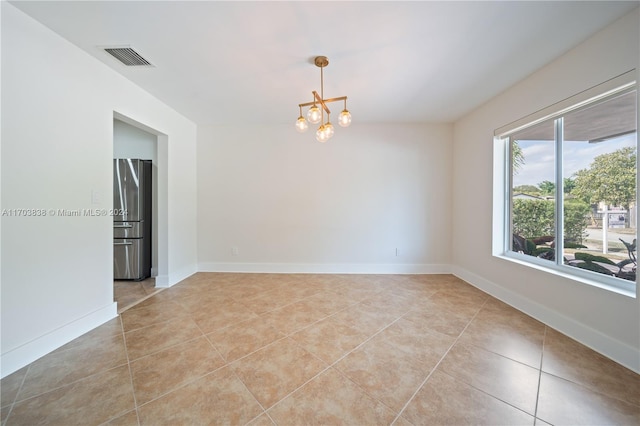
point(591, 150)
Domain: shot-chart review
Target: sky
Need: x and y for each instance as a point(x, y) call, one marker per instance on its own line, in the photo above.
point(539, 158)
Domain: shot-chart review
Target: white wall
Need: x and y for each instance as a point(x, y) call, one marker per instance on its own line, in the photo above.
point(58, 105)
point(132, 142)
point(608, 322)
point(291, 204)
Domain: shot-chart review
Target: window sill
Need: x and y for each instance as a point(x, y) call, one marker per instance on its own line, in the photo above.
point(604, 282)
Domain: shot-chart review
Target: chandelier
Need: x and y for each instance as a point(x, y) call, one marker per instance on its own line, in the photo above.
point(319, 107)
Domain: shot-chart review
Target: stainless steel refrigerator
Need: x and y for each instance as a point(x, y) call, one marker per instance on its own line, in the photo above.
point(132, 197)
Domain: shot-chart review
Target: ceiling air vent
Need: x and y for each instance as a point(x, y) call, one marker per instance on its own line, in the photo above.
point(128, 56)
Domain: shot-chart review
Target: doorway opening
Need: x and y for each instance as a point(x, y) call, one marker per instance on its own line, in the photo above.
point(134, 140)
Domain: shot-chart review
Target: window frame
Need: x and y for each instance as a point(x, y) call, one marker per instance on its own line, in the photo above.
point(503, 191)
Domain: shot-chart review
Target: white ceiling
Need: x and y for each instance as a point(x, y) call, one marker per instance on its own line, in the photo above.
point(252, 62)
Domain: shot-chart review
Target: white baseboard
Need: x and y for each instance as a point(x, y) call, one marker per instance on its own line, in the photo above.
point(166, 281)
point(177, 276)
point(619, 352)
point(23, 355)
point(328, 268)
point(162, 281)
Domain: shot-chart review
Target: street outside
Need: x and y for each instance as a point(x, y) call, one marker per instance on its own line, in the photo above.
point(594, 240)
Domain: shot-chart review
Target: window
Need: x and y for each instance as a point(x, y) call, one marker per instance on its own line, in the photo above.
point(571, 172)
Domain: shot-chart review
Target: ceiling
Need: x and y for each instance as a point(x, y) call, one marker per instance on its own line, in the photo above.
point(246, 63)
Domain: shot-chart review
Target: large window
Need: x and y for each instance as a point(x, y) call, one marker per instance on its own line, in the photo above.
point(570, 188)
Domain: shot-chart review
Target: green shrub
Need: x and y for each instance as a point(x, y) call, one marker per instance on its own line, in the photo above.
point(576, 220)
point(535, 218)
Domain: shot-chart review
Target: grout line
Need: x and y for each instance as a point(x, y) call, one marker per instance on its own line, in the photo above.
point(332, 365)
point(258, 350)
point(535, 411)
point(254, 398)
point(183, 385)
point(229, 365)
point(226, 361)
point(502, 356)
point(145, 297)
point(150, 324)
point(137, 302)
point(343, 356)
point(133, 389)
point(15, 398)
point(587, 387)
point(471, 385)
point(329, 366)
point(439, 362)
point(337, 370)
point(295, 300)
point(488, 394)
point(303, 384)
point(168, 347)
point(72, 383)
point(164, 348)
point(270, 418)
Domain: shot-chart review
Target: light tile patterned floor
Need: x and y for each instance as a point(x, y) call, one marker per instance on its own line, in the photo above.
point(128, 293)
point(288, 349)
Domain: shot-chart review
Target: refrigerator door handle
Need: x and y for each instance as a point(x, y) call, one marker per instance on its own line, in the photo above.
point(123, 226)
point(123, 244)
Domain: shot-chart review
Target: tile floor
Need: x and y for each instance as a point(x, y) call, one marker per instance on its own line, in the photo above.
point(128, 293)
point(265, 349)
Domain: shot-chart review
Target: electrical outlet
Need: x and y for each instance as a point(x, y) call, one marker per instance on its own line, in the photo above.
point(235, 251)
point(96, 197)
point(397, 252)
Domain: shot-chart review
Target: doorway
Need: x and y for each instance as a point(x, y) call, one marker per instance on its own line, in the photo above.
point(132, 139)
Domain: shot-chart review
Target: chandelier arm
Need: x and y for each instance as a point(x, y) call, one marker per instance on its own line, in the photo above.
point(321, 102)
point(341, 98)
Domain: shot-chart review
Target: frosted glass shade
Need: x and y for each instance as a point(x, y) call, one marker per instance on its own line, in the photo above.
point(322, 135)
point(329, 129)
point(314, 116)
point(301, 125)
point(344, 119)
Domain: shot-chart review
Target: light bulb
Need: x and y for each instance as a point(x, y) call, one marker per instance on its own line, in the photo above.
point(322, 135)
point(328, 128)
point(345, 118)
point(314, 116)
point(301, 125)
